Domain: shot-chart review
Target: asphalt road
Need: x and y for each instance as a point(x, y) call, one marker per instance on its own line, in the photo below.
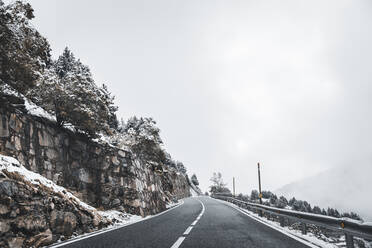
point(188, 225)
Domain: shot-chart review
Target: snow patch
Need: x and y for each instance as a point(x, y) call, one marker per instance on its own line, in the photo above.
point(31, 107)
point(173, 204)
point(119, 218)
point(193, 192)
point(35, 110)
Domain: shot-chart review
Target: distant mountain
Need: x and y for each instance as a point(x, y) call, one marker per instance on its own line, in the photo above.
point(346, 189)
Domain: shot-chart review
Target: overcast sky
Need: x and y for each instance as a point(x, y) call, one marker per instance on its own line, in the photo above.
point(231, 83)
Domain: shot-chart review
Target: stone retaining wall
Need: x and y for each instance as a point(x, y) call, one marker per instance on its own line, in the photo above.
point(101, 175)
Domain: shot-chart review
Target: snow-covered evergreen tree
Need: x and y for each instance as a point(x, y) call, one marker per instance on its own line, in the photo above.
point(292, 201)
point(273, 199)
point(142, 136)
point(181, 168)
point(308, 207)
point(267, 194)
point(281, 202)
point(67, 89)
point(194, 180)
point(24, 53)
point(317, 210)
point(108, 100)
point(254, 195)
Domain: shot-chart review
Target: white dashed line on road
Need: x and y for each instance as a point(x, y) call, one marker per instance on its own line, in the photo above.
point(178, 242)
point(188, 230)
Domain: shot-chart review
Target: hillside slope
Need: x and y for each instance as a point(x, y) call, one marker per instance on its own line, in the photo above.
point(345, 188)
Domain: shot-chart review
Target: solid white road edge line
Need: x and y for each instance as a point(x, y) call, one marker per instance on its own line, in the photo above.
point(182, 238)
point(86, 236)
point(305, 242)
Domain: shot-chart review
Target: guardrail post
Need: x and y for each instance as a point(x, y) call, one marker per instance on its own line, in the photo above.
point(303, 228)
point(349, 240)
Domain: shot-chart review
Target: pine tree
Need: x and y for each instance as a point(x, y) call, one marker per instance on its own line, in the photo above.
point(292, 201)
point(307, 207)
point(331, 212)
point(108, 100)
point(68, 91)
point(65, 63)
point(254, 195)
point(181, 168)
point(266, 194)
point(24, 53)
point(273, 199)
point(142, 136)
point(194, 180)
point(337, 214)
point(281, 202)
point(299, 206)
point(317, 210)
point(355, 216)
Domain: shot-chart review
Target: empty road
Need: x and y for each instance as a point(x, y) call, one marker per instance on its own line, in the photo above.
point(199, 222)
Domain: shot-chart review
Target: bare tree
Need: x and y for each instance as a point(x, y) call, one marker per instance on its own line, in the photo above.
point(218, 185)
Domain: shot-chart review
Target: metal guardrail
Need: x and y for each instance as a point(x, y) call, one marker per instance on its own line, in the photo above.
point(349, 227)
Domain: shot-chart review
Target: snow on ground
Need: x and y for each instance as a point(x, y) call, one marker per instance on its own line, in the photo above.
point(31, 107)
point(35, 110)
point(173, 204)
point(310, 237)
point(105, 139)
point(193, 192)
point(119, 218)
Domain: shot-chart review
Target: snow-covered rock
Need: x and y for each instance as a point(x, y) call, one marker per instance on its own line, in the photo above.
point(34, 211)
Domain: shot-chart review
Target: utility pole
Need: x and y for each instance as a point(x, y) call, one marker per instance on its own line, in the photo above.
point(234, 186)
point(259, 188)
point(259, 183)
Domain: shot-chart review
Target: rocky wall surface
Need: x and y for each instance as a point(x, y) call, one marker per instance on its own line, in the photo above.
point(35, 215)
point(101, 175)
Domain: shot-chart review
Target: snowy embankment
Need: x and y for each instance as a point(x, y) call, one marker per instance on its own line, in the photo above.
point(194, 190)
point(9, 164)
point(62, 215)
point(311, 239)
